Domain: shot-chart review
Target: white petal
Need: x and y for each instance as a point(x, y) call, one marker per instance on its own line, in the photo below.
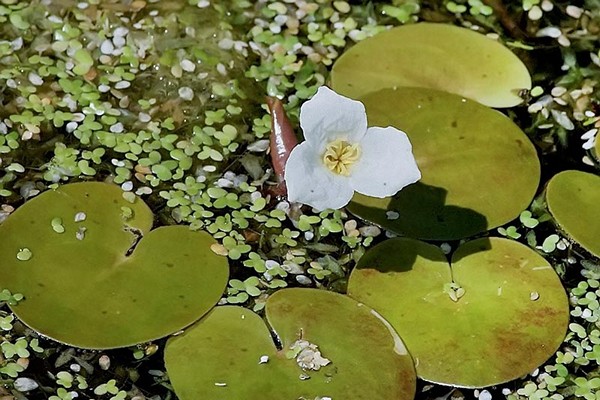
point(386, 163)
point(308, 181)
point(329, 116)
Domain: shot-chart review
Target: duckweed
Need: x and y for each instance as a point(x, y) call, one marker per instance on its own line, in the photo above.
point(160, 99)
point(24, 254)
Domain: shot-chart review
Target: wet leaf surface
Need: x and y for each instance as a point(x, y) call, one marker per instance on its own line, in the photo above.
point(509, 316)
point(117, 285)
point(573, 198)
point(479, 170)
point(223, 355)
point(436, 56)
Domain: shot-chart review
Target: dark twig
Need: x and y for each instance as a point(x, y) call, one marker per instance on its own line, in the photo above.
point(506, 19)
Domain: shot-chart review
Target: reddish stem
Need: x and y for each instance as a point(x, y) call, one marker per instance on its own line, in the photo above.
point(283, 140)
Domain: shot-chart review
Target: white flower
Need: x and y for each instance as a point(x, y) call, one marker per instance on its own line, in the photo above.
point(340, 155)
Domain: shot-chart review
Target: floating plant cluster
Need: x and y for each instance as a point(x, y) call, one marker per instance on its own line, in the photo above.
point(118, 117)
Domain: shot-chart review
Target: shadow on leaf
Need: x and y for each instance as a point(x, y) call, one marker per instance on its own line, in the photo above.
point(422, 214)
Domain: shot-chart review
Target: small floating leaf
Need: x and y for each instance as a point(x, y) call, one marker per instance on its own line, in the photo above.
point(83, 62)
point(573, 199)
point(80, 234)
point(57, 225)
point(24, 254)
point(511, 299)
point(345, 345)
point(436, 56)
point(126, 213)
point(110, 283)
point(80, 216)
point(479, 170)
point(549, 244)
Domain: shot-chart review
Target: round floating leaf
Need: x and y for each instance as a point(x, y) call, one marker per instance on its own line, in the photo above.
point(437, 56)
point(230, 353)
point(479, 170)
point(498, 313)
point(573, 199)
point(105, 280)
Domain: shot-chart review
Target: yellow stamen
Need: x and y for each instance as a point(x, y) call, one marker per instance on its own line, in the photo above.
point(339, 155)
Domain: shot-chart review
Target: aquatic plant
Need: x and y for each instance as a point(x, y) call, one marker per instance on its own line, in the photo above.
point(341, 155)
point(164, 100)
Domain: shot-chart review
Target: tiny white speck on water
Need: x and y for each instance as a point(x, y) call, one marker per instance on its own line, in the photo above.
point(71, 126)
point(446, 248)
point(392, 215)
point(485, 395)
point(107, 47)
point(226, 43)
point(119, 41)
point(35, 79)
point(534, 296)
point(263, 359)
point(127, 186)
point(187, 65)
point(80, 234)
point(186, 93)
point(116, 128)
point(143, 117)
point(122, 85)
point(75, 367)
point(120, 31)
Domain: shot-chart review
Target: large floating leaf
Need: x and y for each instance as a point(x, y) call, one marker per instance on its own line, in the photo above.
point(220, 356)
point(437, 56)
point(504, 316)
point(573, 198)
point(479, 169)
point(86, 287)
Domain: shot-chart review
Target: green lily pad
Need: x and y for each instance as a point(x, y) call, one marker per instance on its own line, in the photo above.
point(436, 56)
point(479, 170)
point(230, 353)
point(573, 199)
point(498, 313)
point(95, 285)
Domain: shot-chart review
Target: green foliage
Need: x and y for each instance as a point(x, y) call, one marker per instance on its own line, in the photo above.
point(176, 113)
point(435, 56)
point(573, 370)
point(434, 305)
point(573, 198)
point(479, 170)
point(134, 278)
point(347, 334)
point(9, 298)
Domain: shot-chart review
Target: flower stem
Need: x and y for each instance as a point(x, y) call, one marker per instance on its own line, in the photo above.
point(283, 140)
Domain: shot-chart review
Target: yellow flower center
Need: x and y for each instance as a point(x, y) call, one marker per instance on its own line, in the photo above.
point(339, 155)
